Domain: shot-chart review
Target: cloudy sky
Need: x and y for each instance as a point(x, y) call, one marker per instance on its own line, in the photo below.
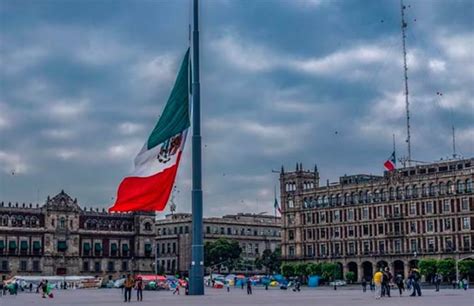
point(318, 82)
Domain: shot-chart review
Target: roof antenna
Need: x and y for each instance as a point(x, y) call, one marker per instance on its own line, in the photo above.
point(405, 70)
point(454, 143)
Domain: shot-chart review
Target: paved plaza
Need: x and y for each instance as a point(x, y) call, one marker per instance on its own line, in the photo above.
point(275, 297)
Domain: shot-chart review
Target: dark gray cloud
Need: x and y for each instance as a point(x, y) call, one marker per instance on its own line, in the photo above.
point(83, 82)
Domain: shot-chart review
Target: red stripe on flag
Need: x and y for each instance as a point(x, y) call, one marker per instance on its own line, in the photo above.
point(146, 193)
point(389, 165)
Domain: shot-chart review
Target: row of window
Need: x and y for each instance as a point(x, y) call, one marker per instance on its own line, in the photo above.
point(19, 221)
point(389, 229)
point(381, 247)
point(173, 230)
point(24, 248)
point(111, 225)
point(382, 195)
point(96, 266)
point(242, 231)
point(382, 211)
point(35, 266)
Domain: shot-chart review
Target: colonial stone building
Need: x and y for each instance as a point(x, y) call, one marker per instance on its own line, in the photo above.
point(61, 238)
point(255, 233)
point(366, 221)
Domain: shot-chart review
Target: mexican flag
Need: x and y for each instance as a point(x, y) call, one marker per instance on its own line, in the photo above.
point(149, 186)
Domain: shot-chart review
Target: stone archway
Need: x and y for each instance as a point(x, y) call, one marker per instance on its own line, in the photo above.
point(368, 270)
point(352, 267)
point(399, 268)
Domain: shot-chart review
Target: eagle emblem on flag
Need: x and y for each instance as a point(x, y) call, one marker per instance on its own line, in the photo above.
point(169, 148)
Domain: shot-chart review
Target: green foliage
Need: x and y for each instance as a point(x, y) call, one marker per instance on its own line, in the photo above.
point(270, 260)
point(300, 269)
point(446, 267)
point(222, 252)
point(288, 269)
point(313, 269)
point(428, 267)
point(330, 271)
point(350, 277)
point(466, 267)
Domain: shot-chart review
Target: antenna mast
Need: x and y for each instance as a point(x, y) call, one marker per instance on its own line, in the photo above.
point(405, 70)
point(454, 142)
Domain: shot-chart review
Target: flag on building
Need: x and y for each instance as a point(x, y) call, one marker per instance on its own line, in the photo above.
point(390, 163)
point(150, 184)
point(277, 206)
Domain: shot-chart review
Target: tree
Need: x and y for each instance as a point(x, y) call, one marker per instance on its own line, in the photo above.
point(313, 269)
point(222, 252)
point(300, 269)
point(288, 269)
point(466, 268)
point(446, 267)
point(350, 277)
point(428, 267)
point(270, 260)
point(330, 271)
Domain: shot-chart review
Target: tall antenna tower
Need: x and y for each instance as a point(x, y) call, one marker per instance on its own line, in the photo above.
point(405, 70)
point(454, 143)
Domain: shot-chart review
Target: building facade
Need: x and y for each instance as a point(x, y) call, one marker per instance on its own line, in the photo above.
point(364, 221)
point(61, 238)
point(255, 233)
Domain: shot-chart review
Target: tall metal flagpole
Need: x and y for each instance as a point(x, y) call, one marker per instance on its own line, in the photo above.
point(196, 279)
point(405, 71)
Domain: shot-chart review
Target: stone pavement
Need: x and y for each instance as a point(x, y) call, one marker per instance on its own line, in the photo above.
point(219, 297)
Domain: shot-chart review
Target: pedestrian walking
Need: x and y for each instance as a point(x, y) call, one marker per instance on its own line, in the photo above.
point(249, 286)
point(386, 279)
point(128, 285)
point(364, 284)
point(415, 278)
point(139, 287)
point(465, 283)
point(437, 281)
point(227, 286)
point(1, 288)
point(378, 283)
point(400, 283)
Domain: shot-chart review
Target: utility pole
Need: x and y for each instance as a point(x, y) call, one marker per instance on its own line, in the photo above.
point(196, 279)
point(405, 70)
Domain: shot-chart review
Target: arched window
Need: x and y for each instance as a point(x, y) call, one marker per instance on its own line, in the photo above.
point(347, 199)
point(392, 193)
point(450, 187)
point(408, 192)
point(147, 226)
point(424, 190)
point(325, 200)
point(62, 222)
point(339, 199)
point(415, 191)
point(432, 189)
point(469, 185)
point(442, 188)
point(459, 186)
point(399, 193)
point(384, 195)
point(5, 220)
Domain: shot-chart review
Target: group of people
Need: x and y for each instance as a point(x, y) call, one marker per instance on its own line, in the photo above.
point(383, 279)
point(130, 283)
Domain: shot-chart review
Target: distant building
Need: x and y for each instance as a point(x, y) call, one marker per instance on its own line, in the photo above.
point(364, 221)
point(255, 233)
point(61, 238)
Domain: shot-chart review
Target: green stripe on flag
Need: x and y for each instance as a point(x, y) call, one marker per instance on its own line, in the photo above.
point(175, 116)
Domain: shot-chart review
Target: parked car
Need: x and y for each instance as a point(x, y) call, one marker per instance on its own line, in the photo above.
point(338, 282)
